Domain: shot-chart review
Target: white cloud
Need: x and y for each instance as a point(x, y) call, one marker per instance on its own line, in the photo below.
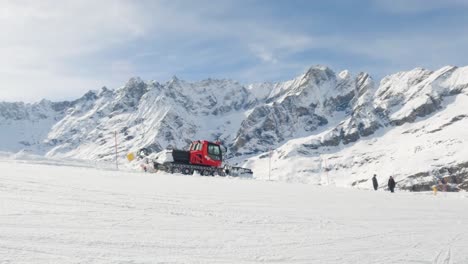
point(273, 45)
point(44, 44)
point(263, 53)
point(59, 49)
point(41, 39)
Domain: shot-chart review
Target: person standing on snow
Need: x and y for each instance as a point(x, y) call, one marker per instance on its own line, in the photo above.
point(374, 182)
point(391, 184)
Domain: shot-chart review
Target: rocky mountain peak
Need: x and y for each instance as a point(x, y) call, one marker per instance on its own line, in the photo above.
point(105, 92)
point(319, 74)
point(174, 81)
point(319, 110)
point(89, 96)
point(129, 95)
point(133, 82)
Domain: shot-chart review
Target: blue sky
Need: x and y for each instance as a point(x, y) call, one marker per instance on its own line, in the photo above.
point(60, 50)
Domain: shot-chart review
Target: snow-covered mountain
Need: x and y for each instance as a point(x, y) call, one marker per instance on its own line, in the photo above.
point(26, 126)
point(322, 127)
point(413, 127)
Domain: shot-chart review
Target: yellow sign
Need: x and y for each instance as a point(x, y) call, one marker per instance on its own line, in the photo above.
point(130, 156)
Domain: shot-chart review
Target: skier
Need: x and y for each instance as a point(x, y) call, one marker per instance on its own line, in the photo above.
point(374, 182)
point(391, 184)
point(444, 184)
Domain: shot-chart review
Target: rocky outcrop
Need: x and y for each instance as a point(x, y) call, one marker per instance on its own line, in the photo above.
point(450, 178)
point(325, 108)
point(300, 106)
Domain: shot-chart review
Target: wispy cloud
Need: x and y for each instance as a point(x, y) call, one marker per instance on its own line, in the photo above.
point(60, 49)
point(45, 43)
point(40, 39)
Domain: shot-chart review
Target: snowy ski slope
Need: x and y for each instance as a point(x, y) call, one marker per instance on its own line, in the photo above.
point(52, 212)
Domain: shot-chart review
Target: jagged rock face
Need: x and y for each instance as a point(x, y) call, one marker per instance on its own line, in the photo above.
point(268, 125)
point(208, 97)
point(128, 97)
point(419, 137)
point(363, 119)
point(25, 126)
point(13, 111)
point(31, 112)
point(147, 115)
point(445, 178)
point(294, 108)
point(320, 109)
point(403, 97)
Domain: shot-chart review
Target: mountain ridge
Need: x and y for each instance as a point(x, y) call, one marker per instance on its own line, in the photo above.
point(330, 110)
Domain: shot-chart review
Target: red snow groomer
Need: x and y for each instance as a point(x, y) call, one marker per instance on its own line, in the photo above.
point(204, 157)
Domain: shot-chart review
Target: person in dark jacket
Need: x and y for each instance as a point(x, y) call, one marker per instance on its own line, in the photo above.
point(375, 183)
point(391, 184)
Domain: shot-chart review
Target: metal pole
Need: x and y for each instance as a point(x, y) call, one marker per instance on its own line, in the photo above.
point(326, 171)
point(269, 165)
point(116, 160)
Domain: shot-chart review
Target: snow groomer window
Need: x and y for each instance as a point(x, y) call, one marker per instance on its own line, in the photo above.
point(214, 152)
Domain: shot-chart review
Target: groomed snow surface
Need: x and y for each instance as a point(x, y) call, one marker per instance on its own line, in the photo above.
point(54, 213)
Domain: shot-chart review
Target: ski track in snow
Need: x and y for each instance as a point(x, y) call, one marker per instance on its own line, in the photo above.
point(79, 214)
